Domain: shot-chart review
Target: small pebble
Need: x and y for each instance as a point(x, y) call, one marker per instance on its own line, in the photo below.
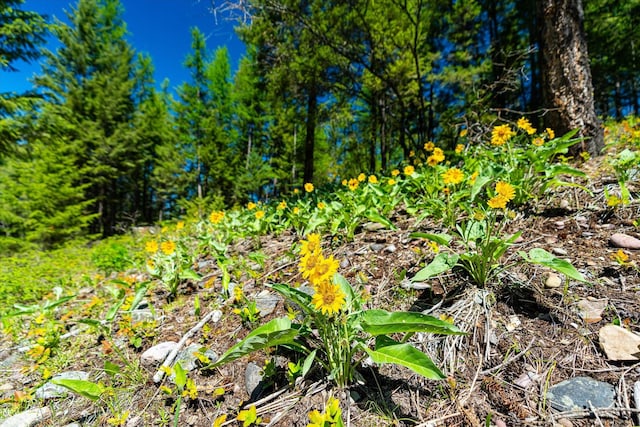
point(624, 241)
point(553, 281)
point(564, 204)
point(559, 251)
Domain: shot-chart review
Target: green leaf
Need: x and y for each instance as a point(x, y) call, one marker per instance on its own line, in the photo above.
point(440, 238)
point(478, 185)
point(111, 368)
point(542, 257)
point(376, 217)
point(84, 388)
point(139, 295)
point(308, 362)
point(390, 351)
point(189, 274)
point(382, 322)
point(181, 376)
point(302, 299)
point(351, 298)
point(441, 263)
point(273, 333)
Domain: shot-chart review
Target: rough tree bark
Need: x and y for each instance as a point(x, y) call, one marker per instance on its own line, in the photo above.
point(567, 89)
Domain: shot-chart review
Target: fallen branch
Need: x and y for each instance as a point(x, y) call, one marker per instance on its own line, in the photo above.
point(168, 361)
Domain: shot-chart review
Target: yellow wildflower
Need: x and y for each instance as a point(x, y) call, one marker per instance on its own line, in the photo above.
point(373, 179)
point(321, 205)
point(620, 256)
point(251, 206)
point(344, 182)
point(151, 246)
point(412, 153)
point(497, 202)
point(362, 177)
point(505, 190)
point(464, 132)
point(312, 244)
point(537, 141)
point(551, 133)
point(249, 416)
point(395, 172)
point(524, 124)
point(434, 247)
point(308, 187)
point(220, 420)
point(217, 216)
point(391, 181)
point(324, 270)
point(453, 176)
point(259, 214)
point(353, 184)
point(282, 205)
point(168, 247)
point(309, 262)
point(409, 170)
point(179, 225)
point(429, 146)
point(459, 148)
point(296, 210)
point(501, 134)
point(328, 298)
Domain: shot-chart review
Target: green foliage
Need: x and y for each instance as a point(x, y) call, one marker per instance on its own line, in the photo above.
point(110, 257)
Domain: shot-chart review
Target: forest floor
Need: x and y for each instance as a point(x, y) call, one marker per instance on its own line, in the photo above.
point(524, 333)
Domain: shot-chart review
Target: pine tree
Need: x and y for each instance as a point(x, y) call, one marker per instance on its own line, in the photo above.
point(21, 34)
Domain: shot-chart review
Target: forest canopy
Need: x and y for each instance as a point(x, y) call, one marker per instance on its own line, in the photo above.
point(326, 90)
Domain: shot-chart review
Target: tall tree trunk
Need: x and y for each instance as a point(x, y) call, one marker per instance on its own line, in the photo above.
point(567, 89)
point(310, 137)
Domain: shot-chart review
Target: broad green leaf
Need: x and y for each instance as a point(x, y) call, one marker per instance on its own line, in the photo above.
point(302, 299)
point(308, 362)
point(559, 169)
point(139, 295)
point(84, 388)
point(382, 322)
point(111, 314)
point(440, 238)
point(478, 185)
point(111, 368)
point(390, 351)
point(351, 298)
point(441, 263)
point(181, 376)
point(542, 257)
point(273, 333)
point(189, 274)
point(376, 217)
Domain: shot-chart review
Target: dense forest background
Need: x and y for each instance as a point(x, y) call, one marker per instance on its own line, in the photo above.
point(327, 90)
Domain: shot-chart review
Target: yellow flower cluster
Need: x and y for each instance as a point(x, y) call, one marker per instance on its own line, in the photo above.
point(168, 247)
point(328, 297)
point(436, 157)
point(452, 176)
point(216, 217)
point(501, 134)
point(332, 415)
point(504, 193)
point(524, 124)
point(409, 170)
point(308, 187)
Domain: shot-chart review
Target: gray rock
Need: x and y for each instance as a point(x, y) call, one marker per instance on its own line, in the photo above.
point(252, 377)
point(553, 281)
point(189, 361)
point(373, 226)
point(135, 421)
point(28, 418)
point(376, 247)
point(619, 344)
point(590, 310)
point(581, 393)
point(559, 251)
point(266, 302)
point(144, 315)
point(390, 249)
point(155, 355)
point(624, 241)
point(9, 360)
point(52, 391)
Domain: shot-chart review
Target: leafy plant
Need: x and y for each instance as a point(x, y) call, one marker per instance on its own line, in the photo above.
point(344, 328)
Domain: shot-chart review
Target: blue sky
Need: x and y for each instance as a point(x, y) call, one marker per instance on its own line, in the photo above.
point(160, 28)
